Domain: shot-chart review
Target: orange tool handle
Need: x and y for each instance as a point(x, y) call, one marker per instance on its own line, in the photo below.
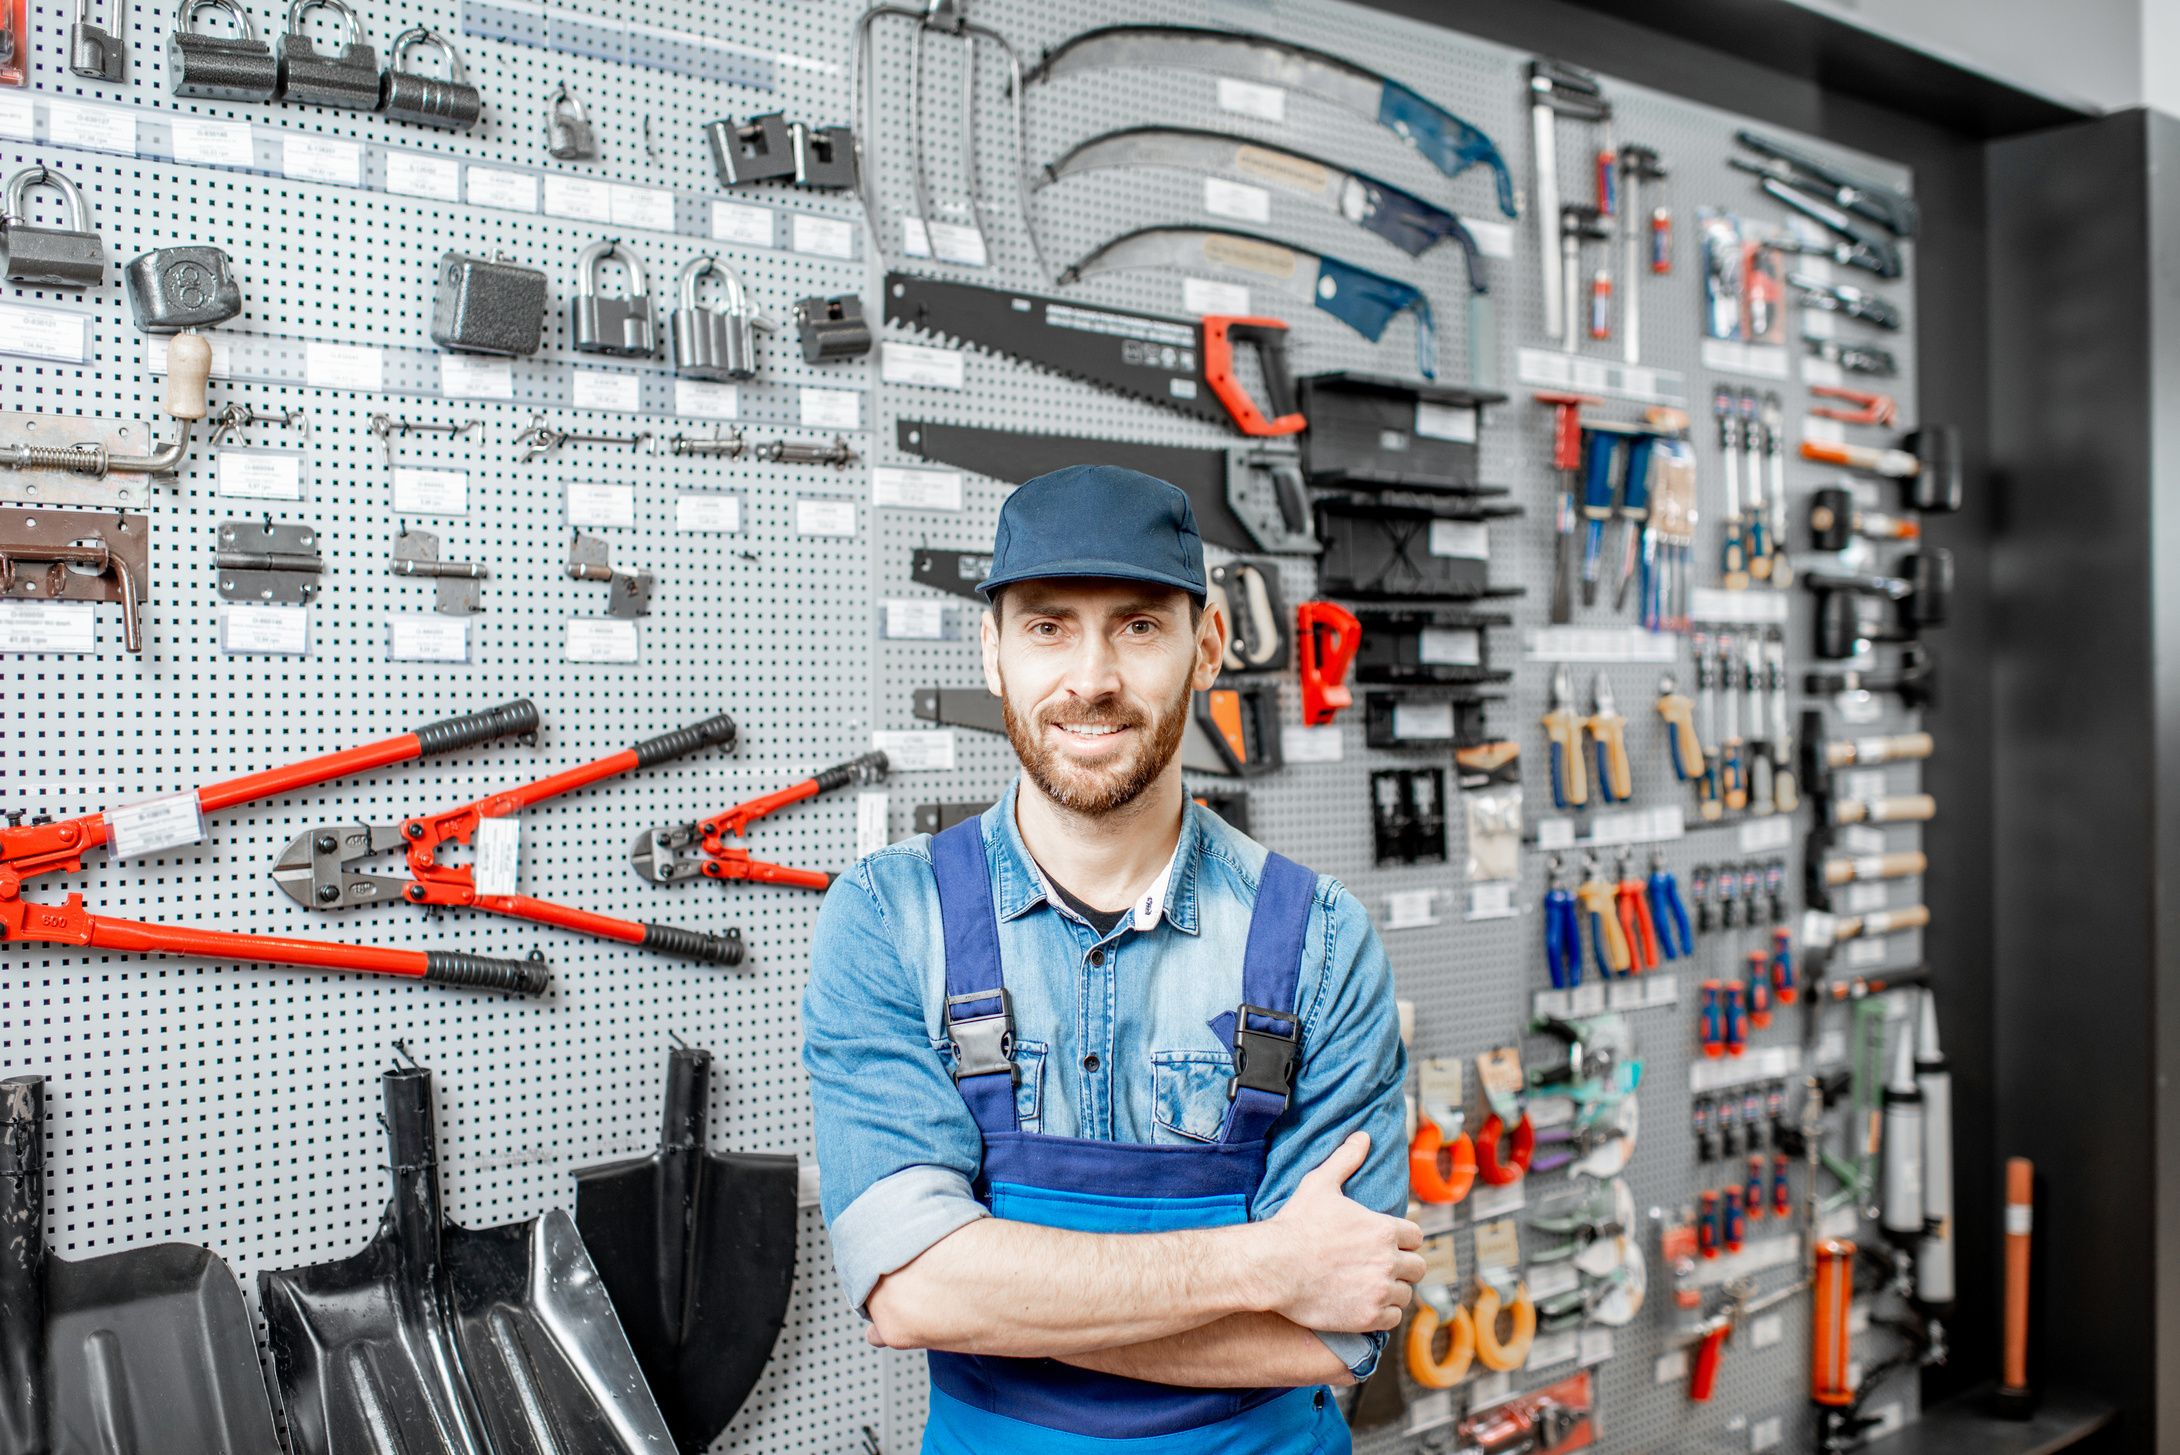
point(1566, 428)
point(2020, 1221)
point(1488, 1166)
point(1440, 1171)
point(735, 821)
point(737, 864)
point(1641, 930)
point(1703, 1379)
point(1597, 898)
point(1835, 1292)
point(1324, 663)
point(1679, 714)
point(1269, 335)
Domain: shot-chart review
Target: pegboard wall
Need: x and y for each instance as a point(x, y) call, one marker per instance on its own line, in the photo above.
point(235, 1105)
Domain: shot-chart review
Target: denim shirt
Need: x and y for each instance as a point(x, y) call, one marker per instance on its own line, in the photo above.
point(1122, 1038)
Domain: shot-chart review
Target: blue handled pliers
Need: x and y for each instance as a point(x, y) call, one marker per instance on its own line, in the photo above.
point(1562, 933)
point(1668, 913)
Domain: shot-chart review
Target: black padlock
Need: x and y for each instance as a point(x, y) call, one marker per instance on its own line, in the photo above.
point(180, 288)
point(601, 324)
point(488, 306)
point(763, 147)
point(237, 67)
point(449, 102)
point(349, 80)
point(832, 328)
point(53, 257)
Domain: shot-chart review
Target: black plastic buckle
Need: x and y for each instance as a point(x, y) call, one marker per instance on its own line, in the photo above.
point(1265, 1060)
point(984, 1044)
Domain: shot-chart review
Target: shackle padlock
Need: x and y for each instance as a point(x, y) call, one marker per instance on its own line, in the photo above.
point(567, 128)
point(488, 306)
point(55, 257)
point(448, 102)
point(237, 67)
point(92, 53)
point(174, 289)
point(349, 80)
point(604, 325)
point(715, 343)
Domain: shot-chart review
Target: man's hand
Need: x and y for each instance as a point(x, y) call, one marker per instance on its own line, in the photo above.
point(1329, 1262)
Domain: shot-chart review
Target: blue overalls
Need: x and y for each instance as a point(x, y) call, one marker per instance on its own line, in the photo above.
point(984, 1404)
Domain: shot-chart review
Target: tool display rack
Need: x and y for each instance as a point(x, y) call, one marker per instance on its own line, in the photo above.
point(232, 1105)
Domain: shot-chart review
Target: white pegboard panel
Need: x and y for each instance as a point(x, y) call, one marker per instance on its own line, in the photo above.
point(235, 1106)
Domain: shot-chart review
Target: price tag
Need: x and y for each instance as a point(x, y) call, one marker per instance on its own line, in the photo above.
point(918, 621)
point(273, 631)
point(1491, 1202)
point(953, 242)
point(261, 474)
point(1587, 999)
point(706, 399)
point(593, 502)
point(142, 829)
point(825, 517)
point(872, 831)
point(832, 409)
point(1671, 1368)
point(1498, 1245)
point(430, 492)
point(737, 222)
point(1461, 539)
point(606, 389)
point(1310, 744)
point(213, 143)
point(1863, 953)
point(43, 333)
point(1550, 1349)
point(1596, 1347)
point(1862, 898)
point(1769, 832)
point(1428, 721)
point(648, 208)
point(1209, 295)
point(60, 627)
point(1766, 1434)
point(908, 489)
point(18, 117)
point(321, 159)
point(359, 367)
point(828, 237)
point(1236, 200)
point(1451, 646)
point(1494, 900)
point(1429, 1410)
point(1862, 783)
point(93, 128)
point(223, 354)
point(427, 639)
point(601, 639)
point(1555, 833)
point(579, 198)
point(508, 191)
point(470, 376)
point(1862, 839)
point(1247, 98)
point(934, 368)
point(1445, 422)
point(1549, 1278)
point(916, 750)
point(1766, 1330)
point(708, 513)
point(1407, 909)
point(417, 174)
point(1661, 989)
point(498, 861)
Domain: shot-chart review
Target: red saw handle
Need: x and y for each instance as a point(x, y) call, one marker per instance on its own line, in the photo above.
point(1327, 637)
point(1269, 337)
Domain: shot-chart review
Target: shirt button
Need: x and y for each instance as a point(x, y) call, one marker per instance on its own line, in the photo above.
point(1319, 1401)
point(1091, 1062)
point(1097, 956)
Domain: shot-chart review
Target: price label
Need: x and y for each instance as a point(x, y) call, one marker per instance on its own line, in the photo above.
point(43, 333)
point(1209, 295)
point(601, 639)
point(706, 399)
point(916, 621)
point(907, 489)
point(737, 222)
point(93, 128)
point(712, 513)
point(1550, 1349)
point(828, 237)
point(415, 174)
point(1446, 646)
point(648, 208)
point(933, 368)
point(1596, 1347)
point(274, 631)
point(430, 492)
point(261, 474)
point(916, 750)
point(1236, 200)
point(18, 117)
point(321, 159)
point(1247, 98)
point(1492, 900)
point(1310, 744)
point(469, 376)
point(60, 627)
point(1425, 721)
point(427, 639)
point(606, 389)
point(952, 242)
point(498, 861)
point(832, 409)
point(1408, 909)
point(358, 367)
point(1498, 1245)
point(1491, 1202)
point(508, 191)
point(579, 198)
point(872, 832)
point(825, 517)
point(1445, 422)
point(1766, 1330)
point(1468, 540)
point(592, 502)
point(148, 828)
point(213, 143)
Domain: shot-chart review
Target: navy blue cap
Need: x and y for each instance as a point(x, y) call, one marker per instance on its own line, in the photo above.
point(1102, 521)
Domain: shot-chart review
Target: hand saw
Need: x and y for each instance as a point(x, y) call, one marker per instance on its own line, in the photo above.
point(1181, 363)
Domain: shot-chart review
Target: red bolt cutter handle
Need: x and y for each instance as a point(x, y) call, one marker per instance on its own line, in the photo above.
point(736, 820)
point(737, 864)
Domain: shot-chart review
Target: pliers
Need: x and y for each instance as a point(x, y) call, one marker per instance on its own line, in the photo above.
point(1635, 923)
point(1595, 894)
point(1615, 779)
point(1562, 932)
point(655, 856)
point(314, 869)
point(1570, 778)
point(1667, 913)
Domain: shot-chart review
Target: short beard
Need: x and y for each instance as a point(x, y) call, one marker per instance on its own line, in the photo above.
point(1096, 793)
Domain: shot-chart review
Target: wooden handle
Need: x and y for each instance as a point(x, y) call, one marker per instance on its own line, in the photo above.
point(2020, 1219)
point(1887, 921)
point(1596, 896)
point(1843, 752)
point(189, 366)
point(1566, 740)
point(1875, 866)
point(1680, 719)
point(1910, 807)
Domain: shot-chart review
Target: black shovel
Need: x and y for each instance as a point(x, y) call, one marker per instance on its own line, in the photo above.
point(139, 1352)
point(698, 1250)
point(442, 1340)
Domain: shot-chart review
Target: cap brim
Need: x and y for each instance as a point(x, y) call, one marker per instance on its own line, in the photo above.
point(1102, 568)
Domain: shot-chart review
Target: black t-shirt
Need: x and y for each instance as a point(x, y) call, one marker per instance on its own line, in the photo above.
point(1101, 920)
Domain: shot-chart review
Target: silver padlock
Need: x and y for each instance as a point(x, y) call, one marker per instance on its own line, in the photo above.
point(603, 325)
point(567, 128)
point(174, 289)
point(488, 306)
point(55, 257)
point(349, 80)
point(449, 102)
point(92, 53)
point(237, 67)
point(715, 343)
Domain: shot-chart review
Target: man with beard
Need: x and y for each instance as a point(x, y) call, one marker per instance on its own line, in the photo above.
point(1107, 1095)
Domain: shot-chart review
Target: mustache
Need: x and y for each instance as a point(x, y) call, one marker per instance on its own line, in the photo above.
point(1107, 712)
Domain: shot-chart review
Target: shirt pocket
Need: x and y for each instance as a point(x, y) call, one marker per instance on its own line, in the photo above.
point(1029, 1079)
point(1189, 1094)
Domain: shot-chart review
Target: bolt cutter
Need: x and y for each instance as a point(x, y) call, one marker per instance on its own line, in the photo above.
point(315, 872)
point(656, 852)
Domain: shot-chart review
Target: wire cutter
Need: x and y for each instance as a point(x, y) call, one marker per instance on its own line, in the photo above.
point(1615, 779)
point(57, 847)
point(655, 852)
point(1595, 894)
point(1635, 922)
point(1570, 778)
point(1667, 913)
point(315, 872)
point(1562, 932)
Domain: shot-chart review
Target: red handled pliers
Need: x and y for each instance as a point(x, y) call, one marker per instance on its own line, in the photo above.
point(656, 852)
point(1641, 932)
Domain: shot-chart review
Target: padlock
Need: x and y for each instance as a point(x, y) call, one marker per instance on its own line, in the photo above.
point(763, 147)
point(487, 306)
point(714, 343)
point(824, 155)
point(567, 131)
point(603, 325)
point(92, 53)
point(832, 328)
point(181, 288)
point(349, 80)
point(56, 257)
point(237, 67)
point(449, 103)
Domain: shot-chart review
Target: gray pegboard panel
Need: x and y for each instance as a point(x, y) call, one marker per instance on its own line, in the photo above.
point(234, 1105)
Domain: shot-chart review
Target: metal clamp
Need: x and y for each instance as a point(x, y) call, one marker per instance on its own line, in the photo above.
point(983, 1045)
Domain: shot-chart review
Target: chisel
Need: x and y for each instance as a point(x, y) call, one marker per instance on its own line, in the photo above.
point(1723, 407)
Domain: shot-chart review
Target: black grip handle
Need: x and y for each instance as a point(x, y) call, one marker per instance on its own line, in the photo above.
point(509, 719)
point(684, 944)
point(1271, 346)
point(516, 977)
point(840, 775)
point(719, 731)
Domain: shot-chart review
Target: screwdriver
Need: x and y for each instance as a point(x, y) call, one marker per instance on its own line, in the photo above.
point(1785, 791)
point(1729, 435)
point(1706, 684)
point(1756, 534)
point(1733, 787)
point(1759, 754)
point(1567, 459)
point(1634, 511)
point(1782, 565)
point(1597, 501)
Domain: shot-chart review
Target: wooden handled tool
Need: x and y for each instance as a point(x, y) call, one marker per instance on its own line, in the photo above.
point(2015, 1401)
point(1875, 866)
point(1852, 752)
point(1913, 806)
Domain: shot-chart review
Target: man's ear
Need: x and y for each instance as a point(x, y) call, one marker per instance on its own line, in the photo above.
point(989, 636)
point(1211, 638)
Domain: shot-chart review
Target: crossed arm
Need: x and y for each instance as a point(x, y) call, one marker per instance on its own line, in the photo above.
point(1210, 1307)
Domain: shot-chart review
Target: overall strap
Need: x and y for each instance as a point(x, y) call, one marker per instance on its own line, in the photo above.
point(978, 1016)
point(1267, 1034)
